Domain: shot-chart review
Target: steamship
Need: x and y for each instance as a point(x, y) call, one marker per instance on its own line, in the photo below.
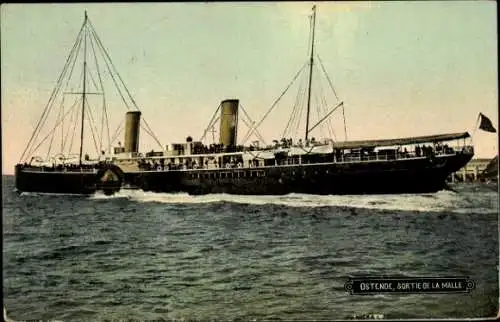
point(324, 166)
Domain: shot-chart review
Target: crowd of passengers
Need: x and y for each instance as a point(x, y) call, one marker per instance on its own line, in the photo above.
point(67, 166)
point(420, 151)
point(150, 165)
point(62, 167)
point(364, 154)
point(283, 143)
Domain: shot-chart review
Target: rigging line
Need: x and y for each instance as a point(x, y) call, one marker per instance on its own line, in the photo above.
point(324, 107)
point(98, 89)
point(321, 128)
point(249, 124)
point(105, 113)
point(107, 122)
point(110, 72)
point(294, 110)
point(47, 136)
point(92, 79)
point(72, 117)
point(74, 129)
point(345, 128)
point(54, 132)
point(125, 86)
point(210, 123)
point(57, 91)
point(46, 108)
point(93, 125)
point(73, 65)
point(89, 112)
point(326, 124)
point(303, 98)
point(213, 128)
point(106, 57)
point(62, 125)
point(296, 121)
point(300, 107)
point(67, 83)
point(252, 122)
point(246, 123)
point(328, 77)
point(251, 130)
point(327, 115)
point(119, 131)
point(328, 121)
point(32, 150)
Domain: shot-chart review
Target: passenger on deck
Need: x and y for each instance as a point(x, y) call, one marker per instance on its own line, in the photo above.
point(418, 151)
point(439, 148)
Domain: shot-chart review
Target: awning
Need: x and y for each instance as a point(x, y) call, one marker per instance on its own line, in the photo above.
point(401, 141)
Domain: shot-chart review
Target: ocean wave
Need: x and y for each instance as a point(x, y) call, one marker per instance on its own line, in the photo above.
point(432, 202)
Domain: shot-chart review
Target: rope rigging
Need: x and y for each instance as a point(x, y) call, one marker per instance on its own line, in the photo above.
point(295, 110)
point(105, 113)
point(259, 136)
point(104, 51)
point(253, 128)
point(322, 110)
point(55, 90)
point(67, 118)
point(92, 126)
point(48, 106)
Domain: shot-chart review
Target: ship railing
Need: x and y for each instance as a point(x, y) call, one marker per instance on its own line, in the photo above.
point(346, 158)
point(56, 169)
point(343, 158)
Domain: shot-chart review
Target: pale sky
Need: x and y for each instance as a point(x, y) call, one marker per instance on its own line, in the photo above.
point(401, 68)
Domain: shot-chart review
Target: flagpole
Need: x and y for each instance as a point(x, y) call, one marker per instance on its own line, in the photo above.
point(475, 126)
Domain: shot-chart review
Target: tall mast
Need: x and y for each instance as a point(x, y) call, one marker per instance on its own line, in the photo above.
point(84, 83)
point(311, 61)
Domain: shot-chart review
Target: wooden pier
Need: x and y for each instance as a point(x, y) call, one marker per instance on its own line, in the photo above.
point(471, 172)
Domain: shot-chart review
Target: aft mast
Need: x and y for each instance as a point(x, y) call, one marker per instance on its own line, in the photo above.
point(84, 83)
point(311, 62)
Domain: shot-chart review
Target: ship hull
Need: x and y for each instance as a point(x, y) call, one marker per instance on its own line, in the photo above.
point(417, 175)
point(66, 182)
point(422, 175)
point(83, 183)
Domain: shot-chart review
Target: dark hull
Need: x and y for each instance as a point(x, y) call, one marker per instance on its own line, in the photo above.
point(379, 177)
point(55, 182)
point(66, 182)
point(422, 175)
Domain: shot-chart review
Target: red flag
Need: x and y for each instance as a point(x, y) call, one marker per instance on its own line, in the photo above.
point(486, 124)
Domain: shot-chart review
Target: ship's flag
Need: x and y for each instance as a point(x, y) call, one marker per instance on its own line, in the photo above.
point(485, 124)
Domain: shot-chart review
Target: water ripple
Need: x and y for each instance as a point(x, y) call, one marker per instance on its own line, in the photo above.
point(152, 256)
